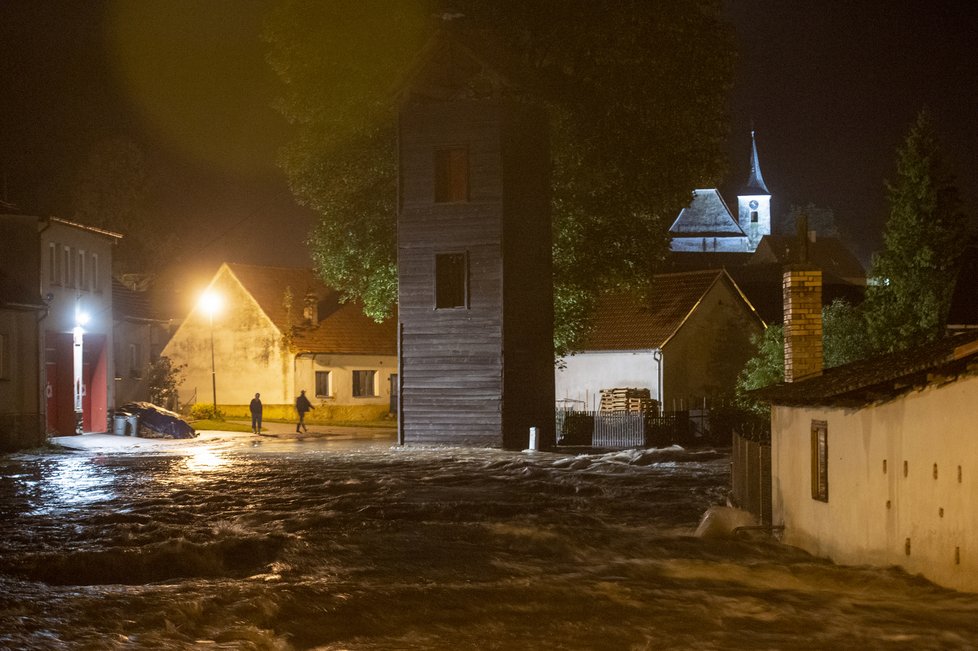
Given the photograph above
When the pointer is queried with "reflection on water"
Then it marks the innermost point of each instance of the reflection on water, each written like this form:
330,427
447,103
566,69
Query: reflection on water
204,460
298,545
73,482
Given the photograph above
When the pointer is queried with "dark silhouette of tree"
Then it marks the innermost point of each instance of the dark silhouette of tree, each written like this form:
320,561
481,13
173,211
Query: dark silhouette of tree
114,189
913,276
637,94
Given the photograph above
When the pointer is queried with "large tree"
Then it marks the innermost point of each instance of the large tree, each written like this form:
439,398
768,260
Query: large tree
637,96
913,276
115,189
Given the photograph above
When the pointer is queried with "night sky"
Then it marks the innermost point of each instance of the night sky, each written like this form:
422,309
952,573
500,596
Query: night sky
830,88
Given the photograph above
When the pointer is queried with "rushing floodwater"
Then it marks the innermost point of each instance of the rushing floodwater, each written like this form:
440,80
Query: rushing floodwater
289,545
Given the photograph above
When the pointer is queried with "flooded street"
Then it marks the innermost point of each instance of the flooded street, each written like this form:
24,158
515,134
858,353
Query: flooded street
283,544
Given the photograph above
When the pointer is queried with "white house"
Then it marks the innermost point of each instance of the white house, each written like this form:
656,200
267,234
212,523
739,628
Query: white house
278,331
685,340
876,462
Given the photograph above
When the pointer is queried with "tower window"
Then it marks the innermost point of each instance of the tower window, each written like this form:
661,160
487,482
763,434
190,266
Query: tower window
451,175
753,216
451,280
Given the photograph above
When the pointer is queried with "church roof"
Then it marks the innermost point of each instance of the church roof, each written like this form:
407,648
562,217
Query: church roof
626,321
706,216
755,182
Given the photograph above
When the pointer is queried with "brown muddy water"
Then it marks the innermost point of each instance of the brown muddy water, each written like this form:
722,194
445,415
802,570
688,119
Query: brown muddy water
236,544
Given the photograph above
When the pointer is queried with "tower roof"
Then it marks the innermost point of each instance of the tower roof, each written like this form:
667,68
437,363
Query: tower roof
755,182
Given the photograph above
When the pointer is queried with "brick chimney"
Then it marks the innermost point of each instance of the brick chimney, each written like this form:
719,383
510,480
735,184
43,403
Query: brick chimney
802,287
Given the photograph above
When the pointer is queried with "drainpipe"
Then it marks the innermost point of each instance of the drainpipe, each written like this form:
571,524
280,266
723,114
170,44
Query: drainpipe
657,356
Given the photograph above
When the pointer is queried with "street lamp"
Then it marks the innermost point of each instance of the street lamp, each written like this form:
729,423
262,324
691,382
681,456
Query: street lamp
211,302
78,381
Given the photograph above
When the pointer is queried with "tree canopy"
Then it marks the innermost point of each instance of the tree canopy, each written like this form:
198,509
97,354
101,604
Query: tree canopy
637,95
913,277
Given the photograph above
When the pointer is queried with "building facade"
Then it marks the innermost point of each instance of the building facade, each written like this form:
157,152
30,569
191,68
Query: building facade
475,280
76,329
278,331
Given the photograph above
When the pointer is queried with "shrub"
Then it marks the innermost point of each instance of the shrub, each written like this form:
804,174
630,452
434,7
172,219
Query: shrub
203,411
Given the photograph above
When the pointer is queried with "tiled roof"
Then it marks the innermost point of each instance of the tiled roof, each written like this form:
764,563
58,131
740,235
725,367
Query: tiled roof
706,216
342,328
129,304
828,253
623,321
14,293
881,378
964,301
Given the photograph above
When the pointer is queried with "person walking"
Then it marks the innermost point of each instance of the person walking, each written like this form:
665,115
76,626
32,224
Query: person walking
255,408
302,405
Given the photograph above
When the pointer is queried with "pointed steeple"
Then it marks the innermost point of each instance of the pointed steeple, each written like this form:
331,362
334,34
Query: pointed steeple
755,182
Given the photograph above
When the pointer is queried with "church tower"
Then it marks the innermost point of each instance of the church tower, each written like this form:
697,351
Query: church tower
754,202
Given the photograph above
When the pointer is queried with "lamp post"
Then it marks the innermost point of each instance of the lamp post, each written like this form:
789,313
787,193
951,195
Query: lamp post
78,380
211,303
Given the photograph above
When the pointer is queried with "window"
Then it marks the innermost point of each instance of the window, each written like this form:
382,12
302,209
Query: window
96,287
364,384
820,460
753,216
66,275
451,280
4,357
451,175
134,360
81,270
324,384
53,276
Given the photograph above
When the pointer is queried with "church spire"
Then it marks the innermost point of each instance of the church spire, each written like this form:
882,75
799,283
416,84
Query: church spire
755,182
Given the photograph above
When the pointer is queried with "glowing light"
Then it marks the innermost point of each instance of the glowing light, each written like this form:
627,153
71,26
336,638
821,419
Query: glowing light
82,318
205,460
211,303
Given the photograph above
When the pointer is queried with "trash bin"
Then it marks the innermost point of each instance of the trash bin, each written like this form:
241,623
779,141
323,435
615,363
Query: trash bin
132,425
119,425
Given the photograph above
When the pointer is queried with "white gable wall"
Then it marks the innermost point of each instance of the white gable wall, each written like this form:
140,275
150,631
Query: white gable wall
872,512
733,244
586,374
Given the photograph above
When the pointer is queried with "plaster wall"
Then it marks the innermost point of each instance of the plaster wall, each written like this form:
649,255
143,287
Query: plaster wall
585,374
76,268
710,244
341,368
248,352
703,357
902,483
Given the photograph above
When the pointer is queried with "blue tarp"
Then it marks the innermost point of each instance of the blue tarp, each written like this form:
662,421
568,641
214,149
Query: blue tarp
160,422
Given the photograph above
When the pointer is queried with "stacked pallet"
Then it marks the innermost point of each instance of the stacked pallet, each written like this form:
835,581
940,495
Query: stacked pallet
634,401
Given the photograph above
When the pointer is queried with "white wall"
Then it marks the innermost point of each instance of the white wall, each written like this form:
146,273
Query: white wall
341,369
871,512
734,244
585,374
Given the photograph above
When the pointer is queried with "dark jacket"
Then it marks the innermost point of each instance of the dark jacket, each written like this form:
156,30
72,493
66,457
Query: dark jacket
255,407
302,404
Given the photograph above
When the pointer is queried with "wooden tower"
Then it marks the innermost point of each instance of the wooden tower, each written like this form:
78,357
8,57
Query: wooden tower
475,293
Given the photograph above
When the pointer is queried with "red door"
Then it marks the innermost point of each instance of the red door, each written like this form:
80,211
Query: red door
58,373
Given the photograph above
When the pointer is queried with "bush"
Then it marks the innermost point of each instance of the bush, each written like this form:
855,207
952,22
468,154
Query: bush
203,411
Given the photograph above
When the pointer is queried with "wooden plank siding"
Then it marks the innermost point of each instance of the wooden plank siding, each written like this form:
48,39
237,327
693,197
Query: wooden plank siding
464,371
